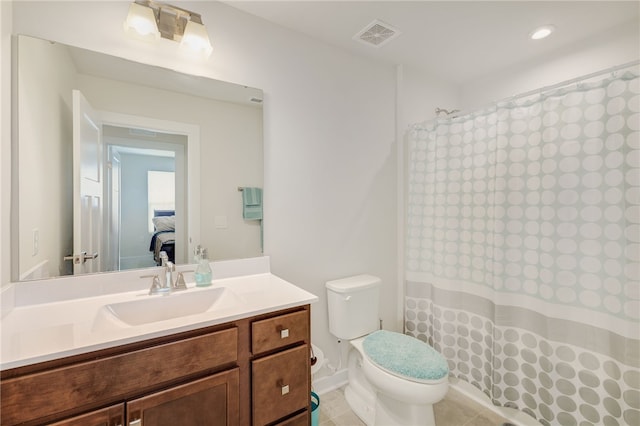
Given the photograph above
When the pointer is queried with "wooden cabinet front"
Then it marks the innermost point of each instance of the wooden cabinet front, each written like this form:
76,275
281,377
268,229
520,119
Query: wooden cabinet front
212,401
110,416
278,332
280,384
100,382
201,377
302,419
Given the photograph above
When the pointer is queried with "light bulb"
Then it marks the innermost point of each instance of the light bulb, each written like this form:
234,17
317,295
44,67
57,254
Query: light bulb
141,20
196,38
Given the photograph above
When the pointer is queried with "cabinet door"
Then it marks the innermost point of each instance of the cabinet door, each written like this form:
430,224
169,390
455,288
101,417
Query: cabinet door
110,416
281,385
212,401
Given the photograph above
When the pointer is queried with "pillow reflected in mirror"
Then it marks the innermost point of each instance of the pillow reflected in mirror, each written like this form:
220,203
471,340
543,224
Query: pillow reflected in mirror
164,223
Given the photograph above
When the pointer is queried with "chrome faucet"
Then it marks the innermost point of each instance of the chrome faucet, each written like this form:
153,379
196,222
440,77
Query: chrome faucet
167,274
164,283
164,258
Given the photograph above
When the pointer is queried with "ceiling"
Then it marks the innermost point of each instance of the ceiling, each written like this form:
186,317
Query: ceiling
458,41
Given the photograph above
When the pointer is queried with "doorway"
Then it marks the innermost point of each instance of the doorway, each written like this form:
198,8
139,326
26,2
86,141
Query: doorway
136,159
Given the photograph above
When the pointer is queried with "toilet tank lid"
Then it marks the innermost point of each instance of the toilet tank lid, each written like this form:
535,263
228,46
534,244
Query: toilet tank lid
355,283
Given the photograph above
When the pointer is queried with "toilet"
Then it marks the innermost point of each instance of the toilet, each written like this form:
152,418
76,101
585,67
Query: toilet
394,379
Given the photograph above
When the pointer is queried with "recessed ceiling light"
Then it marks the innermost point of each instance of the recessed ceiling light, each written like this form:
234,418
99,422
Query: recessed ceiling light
541,32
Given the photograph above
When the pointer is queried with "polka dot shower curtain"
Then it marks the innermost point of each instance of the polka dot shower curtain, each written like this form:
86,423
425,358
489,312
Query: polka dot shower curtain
522,250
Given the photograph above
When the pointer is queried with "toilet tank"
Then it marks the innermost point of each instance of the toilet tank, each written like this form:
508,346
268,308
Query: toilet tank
353,306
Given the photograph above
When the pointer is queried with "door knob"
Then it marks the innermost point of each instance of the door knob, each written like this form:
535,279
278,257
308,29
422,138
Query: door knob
81,258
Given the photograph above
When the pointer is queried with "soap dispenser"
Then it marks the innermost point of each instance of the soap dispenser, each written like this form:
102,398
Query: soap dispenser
203,270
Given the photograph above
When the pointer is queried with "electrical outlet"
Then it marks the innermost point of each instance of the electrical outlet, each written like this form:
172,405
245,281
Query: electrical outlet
36,241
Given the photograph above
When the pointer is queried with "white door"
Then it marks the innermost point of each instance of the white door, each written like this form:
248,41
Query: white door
87,187
111,258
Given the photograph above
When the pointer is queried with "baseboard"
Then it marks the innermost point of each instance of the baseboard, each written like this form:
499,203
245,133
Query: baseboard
518,418
328,383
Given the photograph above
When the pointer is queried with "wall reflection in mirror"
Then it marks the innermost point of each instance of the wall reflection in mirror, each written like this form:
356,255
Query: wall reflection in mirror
122,160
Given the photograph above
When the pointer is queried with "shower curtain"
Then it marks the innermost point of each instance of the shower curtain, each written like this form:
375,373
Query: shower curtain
522,250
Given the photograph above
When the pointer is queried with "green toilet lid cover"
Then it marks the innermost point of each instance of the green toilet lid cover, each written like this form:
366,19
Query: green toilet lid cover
405,356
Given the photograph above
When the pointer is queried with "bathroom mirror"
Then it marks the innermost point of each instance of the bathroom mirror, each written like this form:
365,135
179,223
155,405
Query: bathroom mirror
170,158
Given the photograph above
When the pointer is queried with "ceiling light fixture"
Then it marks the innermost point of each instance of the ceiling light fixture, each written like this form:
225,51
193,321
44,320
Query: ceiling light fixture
152,20
142,20
542,32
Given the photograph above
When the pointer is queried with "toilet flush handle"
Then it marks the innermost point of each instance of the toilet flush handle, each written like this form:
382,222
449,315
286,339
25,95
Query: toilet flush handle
346,299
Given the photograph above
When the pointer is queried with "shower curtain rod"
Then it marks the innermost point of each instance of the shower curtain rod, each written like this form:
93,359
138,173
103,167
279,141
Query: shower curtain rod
541,90
574,80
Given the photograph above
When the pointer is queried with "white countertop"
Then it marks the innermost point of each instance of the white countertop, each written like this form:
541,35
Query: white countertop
32,333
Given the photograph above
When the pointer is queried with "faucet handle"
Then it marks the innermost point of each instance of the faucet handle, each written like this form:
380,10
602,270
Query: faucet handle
156,287
180,284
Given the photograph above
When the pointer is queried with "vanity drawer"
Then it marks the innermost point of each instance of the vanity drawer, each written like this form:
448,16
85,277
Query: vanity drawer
301,419
280,331
105,380
110,416
280,384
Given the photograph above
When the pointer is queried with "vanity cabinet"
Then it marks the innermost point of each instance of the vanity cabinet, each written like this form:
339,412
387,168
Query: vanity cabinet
279,344
235,373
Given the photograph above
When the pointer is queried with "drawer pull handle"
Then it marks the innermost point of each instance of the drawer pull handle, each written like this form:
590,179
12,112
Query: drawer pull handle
284,389
284,333
137,422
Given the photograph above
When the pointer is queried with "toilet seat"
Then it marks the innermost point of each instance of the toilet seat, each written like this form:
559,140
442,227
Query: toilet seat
405,357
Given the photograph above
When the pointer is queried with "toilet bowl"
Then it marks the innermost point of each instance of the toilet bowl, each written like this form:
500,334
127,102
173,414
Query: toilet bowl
394,379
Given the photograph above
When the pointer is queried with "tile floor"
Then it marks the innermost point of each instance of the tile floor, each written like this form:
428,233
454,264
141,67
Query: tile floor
454,410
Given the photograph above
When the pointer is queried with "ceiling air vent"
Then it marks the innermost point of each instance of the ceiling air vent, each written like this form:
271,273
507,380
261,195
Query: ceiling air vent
376,34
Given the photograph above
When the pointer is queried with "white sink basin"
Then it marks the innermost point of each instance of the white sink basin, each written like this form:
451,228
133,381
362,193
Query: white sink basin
151,309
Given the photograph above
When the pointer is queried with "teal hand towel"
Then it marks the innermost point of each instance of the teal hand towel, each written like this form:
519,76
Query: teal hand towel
252,203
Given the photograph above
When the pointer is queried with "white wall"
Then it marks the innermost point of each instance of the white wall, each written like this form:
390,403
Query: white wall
6,30
45,169
329,136
619,45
